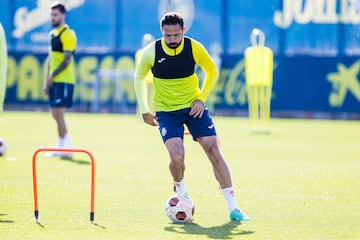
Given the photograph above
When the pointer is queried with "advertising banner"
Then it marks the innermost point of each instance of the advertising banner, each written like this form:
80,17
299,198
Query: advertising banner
301,83
316,44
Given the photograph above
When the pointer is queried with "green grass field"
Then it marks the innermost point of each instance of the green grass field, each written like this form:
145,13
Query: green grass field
302,181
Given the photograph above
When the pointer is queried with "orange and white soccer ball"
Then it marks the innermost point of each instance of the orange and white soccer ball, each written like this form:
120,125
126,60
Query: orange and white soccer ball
180,209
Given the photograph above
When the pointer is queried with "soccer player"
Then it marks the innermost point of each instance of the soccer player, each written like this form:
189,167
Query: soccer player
179,101
60,76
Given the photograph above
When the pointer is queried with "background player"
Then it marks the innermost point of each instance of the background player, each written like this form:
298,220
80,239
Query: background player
60,77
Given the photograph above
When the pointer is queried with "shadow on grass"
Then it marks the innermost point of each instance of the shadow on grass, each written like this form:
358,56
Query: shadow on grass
40,225
225,231
77,161
94,224
5,220
98,225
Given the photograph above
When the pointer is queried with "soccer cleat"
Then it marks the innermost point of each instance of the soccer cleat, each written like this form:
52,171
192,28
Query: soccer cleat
62,155
236,215
52,154
184,194
66,155
179,194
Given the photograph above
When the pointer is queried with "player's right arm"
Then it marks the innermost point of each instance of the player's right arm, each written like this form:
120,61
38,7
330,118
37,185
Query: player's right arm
143,66
47,72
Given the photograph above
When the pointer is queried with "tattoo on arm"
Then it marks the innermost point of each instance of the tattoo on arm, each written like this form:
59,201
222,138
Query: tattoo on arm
64,63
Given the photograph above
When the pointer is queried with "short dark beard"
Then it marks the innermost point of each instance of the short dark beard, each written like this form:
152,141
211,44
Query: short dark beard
173,47
56,24
178,44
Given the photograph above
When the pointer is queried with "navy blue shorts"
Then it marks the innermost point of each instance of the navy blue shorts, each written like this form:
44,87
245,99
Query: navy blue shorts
171,124
61,95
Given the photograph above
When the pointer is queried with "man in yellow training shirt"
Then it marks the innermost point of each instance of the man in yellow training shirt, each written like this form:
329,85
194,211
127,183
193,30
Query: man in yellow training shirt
179,101
60,77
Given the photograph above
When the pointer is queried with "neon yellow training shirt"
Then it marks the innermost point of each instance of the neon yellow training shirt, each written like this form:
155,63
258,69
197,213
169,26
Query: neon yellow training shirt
177,93
68,43
149,75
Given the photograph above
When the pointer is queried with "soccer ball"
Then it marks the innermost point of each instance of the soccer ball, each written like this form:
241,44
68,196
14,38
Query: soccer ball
3,147
180,209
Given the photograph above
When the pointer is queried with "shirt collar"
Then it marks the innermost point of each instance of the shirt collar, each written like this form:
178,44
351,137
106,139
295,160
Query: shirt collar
60,28
172,51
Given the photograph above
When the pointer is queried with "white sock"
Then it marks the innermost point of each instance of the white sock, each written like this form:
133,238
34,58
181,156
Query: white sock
180,187
230,198
67,142
61,142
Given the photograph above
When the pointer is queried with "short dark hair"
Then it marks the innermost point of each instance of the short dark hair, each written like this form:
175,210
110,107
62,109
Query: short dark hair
172,18
58,5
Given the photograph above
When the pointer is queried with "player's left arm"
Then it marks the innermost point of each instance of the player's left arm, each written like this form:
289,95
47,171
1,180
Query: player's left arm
63,64
204,60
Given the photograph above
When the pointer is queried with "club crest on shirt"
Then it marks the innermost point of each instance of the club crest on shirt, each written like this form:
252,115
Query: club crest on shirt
163,131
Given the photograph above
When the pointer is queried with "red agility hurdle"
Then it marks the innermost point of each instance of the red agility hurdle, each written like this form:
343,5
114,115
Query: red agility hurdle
46,149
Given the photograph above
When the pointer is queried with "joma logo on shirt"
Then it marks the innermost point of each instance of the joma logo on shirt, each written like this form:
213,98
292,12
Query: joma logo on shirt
161,60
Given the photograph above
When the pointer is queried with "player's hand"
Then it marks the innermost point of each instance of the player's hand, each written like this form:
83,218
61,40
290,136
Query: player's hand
50,80
197,109
46,90
49,83
150,119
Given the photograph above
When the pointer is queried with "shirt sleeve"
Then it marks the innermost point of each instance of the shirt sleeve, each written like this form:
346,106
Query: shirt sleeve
68,39
204,60
143,66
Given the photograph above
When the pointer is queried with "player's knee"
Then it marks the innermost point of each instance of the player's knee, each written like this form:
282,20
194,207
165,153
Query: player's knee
213,150
177,158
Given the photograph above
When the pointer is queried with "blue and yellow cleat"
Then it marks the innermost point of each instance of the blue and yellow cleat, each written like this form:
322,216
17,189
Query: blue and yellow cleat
236,215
